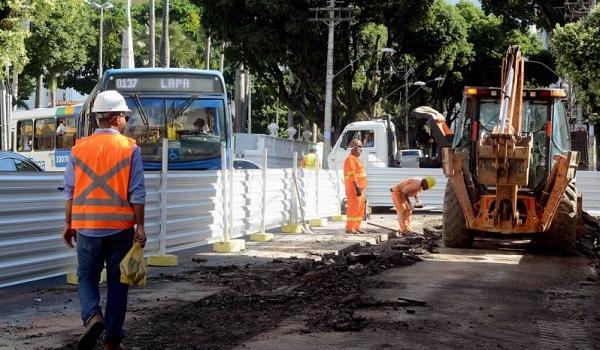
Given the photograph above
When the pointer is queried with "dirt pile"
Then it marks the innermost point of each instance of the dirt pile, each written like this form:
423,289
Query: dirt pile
324,294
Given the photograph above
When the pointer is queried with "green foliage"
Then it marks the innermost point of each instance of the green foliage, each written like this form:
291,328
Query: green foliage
272,37
524,13
59,41
577,48
14,18
186,40
490,39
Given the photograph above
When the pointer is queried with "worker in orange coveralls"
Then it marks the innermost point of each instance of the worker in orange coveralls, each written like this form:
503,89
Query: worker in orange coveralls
355,181
401,193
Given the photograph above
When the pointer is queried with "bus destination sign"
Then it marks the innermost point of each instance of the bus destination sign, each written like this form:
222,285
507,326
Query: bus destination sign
192,83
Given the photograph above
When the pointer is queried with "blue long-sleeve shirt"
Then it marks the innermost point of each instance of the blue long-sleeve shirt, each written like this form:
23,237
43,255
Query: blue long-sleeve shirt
136,189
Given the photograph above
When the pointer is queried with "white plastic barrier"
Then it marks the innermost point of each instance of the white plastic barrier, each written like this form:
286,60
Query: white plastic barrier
32,214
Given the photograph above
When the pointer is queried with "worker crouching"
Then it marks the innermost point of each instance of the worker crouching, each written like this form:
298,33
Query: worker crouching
355,181
400,196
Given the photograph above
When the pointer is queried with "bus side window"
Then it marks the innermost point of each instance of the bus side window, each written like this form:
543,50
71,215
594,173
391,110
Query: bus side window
66,132
44,134
24,135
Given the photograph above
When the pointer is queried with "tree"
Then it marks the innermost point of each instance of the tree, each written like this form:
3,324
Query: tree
59,42
272,38
15,16
544,14
490,39
577,48
185,40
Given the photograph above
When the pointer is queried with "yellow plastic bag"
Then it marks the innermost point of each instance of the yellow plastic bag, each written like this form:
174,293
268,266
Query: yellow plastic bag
133,267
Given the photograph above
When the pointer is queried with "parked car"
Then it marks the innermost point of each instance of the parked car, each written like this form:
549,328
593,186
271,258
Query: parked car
244,164
409,158
11,161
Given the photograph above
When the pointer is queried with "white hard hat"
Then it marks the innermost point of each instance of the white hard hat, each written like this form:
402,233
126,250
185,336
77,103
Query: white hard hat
110,101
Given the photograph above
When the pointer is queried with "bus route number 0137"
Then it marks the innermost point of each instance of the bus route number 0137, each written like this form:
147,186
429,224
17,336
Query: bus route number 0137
130,83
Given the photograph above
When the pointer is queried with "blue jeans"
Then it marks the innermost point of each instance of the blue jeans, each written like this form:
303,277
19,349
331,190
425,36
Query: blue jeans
92,254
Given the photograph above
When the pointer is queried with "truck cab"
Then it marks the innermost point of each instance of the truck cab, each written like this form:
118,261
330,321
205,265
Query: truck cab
379,144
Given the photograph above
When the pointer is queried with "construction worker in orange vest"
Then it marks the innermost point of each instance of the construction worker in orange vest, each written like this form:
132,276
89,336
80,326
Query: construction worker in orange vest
355,181
105,199
402,192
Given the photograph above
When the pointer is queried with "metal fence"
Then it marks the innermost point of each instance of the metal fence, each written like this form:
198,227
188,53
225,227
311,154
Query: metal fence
32,210
381,179
32,214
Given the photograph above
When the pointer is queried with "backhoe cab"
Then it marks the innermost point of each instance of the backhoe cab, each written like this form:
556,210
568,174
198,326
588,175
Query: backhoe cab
510,167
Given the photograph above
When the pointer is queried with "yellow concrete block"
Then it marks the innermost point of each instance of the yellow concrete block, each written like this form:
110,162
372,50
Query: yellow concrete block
261,236
162,260
72,277
318,222
292,228
337,218
231,246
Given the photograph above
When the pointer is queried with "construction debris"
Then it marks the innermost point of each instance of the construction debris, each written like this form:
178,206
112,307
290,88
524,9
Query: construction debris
325,294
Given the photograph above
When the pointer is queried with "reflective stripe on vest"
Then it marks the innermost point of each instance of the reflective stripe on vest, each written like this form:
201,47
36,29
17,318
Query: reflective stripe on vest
102,170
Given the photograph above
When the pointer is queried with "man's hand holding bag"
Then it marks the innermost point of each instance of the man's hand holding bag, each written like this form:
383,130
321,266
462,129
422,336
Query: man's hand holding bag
133,267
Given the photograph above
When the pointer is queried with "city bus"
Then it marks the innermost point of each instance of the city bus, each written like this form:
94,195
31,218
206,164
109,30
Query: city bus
45,135
187,106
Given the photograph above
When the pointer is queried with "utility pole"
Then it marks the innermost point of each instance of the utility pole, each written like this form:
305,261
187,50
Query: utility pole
406,109
222,62
241,94
207,52
333,17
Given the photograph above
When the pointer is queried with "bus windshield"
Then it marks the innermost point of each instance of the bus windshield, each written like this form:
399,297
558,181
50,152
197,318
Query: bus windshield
195,127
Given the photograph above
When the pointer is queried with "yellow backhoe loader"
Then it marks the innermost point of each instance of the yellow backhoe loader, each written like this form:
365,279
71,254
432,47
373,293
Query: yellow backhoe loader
510,167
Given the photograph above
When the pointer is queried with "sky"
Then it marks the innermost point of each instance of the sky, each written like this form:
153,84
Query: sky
476,2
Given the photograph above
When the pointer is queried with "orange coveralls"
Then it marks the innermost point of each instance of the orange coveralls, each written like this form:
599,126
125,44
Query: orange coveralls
354,173
400,193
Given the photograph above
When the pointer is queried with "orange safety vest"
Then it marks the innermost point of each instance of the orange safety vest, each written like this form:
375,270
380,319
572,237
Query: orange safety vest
102,168
354,171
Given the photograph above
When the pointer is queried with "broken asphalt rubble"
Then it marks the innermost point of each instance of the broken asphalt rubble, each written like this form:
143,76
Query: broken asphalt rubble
256,298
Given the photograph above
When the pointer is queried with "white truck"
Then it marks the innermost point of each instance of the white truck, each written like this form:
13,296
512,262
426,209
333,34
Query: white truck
382,159
379,143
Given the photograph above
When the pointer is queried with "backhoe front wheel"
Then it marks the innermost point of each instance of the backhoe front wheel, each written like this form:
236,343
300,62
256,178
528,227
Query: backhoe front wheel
455,233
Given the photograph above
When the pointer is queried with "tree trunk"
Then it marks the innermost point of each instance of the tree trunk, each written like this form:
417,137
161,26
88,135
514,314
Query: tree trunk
152,43
39,88
52,89
127,46
164,40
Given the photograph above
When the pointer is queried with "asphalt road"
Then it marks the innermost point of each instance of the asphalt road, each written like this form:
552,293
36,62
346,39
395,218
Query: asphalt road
497,295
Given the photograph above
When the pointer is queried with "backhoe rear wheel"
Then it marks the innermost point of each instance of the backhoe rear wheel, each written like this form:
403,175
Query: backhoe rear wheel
455,233
562,235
